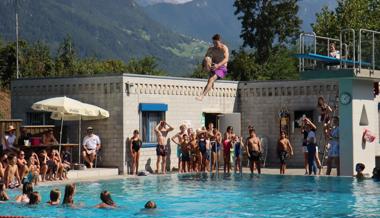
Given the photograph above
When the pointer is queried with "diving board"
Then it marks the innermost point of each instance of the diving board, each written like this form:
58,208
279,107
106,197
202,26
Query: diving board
330,60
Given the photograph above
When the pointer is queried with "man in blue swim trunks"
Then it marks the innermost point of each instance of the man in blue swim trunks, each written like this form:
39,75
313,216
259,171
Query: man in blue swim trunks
215,61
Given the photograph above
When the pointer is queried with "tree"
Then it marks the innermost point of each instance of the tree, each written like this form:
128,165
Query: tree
264,21
147,66
242,66
8,62
355,14
38,61
66,60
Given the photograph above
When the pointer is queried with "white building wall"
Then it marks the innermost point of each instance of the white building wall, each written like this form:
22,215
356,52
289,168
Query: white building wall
179,94
262,101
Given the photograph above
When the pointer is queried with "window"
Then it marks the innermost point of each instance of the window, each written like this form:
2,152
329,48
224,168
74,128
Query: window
38,118
151,115
150,120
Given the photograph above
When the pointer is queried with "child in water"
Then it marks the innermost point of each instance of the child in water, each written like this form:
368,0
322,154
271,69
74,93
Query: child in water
359,171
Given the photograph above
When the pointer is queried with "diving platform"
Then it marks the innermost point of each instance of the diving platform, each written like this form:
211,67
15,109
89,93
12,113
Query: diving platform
353,60
348,73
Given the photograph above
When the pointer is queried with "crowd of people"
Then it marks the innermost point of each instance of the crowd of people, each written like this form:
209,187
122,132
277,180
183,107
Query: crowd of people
199,150
20,162
31,197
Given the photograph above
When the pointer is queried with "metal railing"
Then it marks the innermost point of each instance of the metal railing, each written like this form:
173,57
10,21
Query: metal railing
373,33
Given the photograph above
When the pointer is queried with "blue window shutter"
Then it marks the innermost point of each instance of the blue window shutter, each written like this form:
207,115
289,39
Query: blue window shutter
153,107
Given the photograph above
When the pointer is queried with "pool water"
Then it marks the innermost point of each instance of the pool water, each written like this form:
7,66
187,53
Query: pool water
211,196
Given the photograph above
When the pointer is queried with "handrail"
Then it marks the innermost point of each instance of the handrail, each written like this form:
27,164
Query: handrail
353,46
373,46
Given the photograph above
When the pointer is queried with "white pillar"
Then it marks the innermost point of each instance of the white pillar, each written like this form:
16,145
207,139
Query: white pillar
353,122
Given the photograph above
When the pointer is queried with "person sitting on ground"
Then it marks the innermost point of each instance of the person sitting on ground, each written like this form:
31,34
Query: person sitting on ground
58,162
254,151
32,171
27,189
91,145
55,196
66,161
107,201
135,146
53,164
2,170
9,140
162,130
49,139
359,171
285,150
177,139
12,178
43,159
21,164
3,194
150,205
35,198
68,198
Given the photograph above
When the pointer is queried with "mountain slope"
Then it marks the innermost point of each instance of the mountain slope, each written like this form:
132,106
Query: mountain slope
203,18
105,29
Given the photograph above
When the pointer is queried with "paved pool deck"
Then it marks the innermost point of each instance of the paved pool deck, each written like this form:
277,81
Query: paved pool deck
97,174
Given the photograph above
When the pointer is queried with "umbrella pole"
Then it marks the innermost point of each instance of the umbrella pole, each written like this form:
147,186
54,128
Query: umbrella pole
60,135
79,137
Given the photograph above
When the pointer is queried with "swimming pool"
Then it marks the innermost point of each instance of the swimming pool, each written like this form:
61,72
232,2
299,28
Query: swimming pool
205,196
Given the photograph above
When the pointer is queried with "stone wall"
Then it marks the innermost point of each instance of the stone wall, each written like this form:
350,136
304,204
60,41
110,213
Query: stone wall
262,101
179,94
103,91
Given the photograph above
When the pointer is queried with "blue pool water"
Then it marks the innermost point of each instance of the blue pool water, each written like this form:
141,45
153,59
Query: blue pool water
205,196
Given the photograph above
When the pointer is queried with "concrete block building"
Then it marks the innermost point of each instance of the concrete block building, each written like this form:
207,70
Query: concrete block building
139,102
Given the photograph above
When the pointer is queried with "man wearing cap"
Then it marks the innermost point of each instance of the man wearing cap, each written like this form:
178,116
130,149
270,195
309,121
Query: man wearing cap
9,139
91,144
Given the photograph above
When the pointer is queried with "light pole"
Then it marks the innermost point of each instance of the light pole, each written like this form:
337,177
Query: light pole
17,66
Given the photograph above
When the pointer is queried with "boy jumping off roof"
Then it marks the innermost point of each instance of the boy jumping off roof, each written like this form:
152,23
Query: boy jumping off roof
215,61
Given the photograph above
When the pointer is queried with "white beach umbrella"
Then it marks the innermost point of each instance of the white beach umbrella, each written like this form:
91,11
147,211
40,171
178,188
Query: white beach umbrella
92,112
61,105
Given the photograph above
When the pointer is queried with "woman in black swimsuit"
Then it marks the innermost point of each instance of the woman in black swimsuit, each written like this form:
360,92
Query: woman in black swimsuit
135,145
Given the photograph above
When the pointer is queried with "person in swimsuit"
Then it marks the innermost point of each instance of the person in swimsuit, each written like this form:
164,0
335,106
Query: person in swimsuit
185,148
227,137
215,61
195,153
215,141
177,139
254,150
203,148
135,145
27,189
237,145
12,178
44,159
3,194
162,130
285,150
107,201
55,196
35,198
68,197
306,122
311,150
333,152
325,111
21,164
